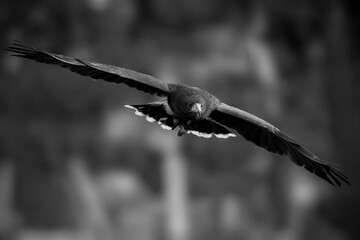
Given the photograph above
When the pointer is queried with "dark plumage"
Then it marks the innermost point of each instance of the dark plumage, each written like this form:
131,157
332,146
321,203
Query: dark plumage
192,110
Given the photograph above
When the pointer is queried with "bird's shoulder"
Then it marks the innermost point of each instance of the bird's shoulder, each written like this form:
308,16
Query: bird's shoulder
179,88
186,90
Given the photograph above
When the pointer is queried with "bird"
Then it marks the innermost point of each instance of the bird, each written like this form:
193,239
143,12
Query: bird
192,110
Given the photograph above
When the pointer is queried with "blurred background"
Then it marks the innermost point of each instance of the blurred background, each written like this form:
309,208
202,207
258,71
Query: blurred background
75,164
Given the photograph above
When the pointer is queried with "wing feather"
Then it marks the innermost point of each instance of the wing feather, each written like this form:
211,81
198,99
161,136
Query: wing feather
272,139
109,73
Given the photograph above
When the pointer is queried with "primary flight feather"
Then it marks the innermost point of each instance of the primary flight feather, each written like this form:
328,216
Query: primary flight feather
192,110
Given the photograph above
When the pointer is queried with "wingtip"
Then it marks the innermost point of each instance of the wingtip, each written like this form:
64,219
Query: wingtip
327,171
339,174
7,49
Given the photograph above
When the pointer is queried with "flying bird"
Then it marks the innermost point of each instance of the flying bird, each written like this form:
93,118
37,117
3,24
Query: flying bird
192,110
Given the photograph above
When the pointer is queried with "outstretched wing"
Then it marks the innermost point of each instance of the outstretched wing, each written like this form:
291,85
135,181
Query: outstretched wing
272,139
94,70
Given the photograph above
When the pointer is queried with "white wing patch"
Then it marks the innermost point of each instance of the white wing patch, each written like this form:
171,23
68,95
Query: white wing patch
163,126
150,119
200,134
136,111
209,135
225,135
166,127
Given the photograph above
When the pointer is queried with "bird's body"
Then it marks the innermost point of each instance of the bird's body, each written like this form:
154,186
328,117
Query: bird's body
192,110
183,97
185,107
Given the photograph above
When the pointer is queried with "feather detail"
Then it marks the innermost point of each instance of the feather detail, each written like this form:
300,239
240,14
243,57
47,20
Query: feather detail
155,112
265,135
140,81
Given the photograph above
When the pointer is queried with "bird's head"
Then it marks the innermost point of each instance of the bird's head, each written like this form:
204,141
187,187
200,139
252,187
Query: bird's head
197,108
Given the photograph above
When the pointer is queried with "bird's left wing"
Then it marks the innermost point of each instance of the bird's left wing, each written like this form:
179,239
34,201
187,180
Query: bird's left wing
272,139
94,70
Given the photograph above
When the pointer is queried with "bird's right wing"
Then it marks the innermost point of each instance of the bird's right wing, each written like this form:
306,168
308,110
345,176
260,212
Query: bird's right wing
94,70
272,139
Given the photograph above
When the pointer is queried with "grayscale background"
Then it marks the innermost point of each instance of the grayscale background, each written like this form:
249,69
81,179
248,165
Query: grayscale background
76,165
